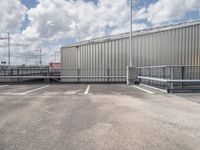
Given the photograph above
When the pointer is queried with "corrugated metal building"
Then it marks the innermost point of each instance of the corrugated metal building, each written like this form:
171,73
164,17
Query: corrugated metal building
177,44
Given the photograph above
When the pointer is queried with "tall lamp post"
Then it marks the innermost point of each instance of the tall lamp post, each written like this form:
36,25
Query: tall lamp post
131,71
131,22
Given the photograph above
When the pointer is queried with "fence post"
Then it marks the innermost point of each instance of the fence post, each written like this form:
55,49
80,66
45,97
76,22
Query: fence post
164,75
131,75
11,72
78,74
170,85
108,74
148,81
48,76
182,76
17,75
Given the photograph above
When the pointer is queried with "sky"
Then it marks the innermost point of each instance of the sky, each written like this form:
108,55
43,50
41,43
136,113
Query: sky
50,24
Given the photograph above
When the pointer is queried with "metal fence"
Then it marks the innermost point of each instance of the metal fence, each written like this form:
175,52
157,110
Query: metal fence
172,78
60,75
23,74
93,75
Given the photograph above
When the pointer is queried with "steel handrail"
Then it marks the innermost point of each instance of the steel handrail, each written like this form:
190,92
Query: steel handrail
168,80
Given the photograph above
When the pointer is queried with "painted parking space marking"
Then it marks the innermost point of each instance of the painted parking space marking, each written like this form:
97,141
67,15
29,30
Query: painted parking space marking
37,89
51,93
161,90
1,86
87,90
147,91
72,92
14,94
27,92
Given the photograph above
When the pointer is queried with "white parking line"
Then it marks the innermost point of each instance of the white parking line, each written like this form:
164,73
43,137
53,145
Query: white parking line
164,91
1,86
72,92
27,92
87,90
15,94
150,92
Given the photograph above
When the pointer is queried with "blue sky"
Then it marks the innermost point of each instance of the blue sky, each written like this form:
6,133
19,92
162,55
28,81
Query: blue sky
52,23
30,3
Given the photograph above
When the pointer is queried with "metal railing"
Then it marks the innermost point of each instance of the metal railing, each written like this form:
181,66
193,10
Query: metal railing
64,75
93,75
27,71
172,78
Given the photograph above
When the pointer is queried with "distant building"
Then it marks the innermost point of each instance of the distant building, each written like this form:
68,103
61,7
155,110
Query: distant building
54,65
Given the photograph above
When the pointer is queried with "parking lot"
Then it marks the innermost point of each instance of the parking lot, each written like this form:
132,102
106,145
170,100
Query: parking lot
96,117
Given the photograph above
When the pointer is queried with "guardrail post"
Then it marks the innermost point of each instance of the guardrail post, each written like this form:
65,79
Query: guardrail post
78,74
5,72
171,76
131,75
182,76
47,76
108,74
17,75
11,72
163,74
149,73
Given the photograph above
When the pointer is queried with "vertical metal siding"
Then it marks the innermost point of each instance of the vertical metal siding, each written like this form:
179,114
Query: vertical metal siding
179,46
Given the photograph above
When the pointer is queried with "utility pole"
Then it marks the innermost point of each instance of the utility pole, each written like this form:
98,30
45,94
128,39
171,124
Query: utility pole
8,38
40,56
9,50
131,22
54,57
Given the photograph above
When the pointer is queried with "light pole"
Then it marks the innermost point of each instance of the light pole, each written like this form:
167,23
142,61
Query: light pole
131,71
130,49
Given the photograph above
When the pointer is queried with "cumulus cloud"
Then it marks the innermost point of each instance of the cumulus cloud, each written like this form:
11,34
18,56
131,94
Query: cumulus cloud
12,13
170,10
53,19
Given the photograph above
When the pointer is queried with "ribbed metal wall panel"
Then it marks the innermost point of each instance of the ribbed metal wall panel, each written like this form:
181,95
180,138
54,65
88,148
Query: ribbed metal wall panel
69,61
178,46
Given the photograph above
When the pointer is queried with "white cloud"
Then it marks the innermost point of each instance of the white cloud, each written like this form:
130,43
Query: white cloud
53,19
12,13
170,10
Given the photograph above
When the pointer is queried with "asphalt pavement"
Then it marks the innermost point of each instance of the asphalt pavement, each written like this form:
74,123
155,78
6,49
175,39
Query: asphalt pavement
97,117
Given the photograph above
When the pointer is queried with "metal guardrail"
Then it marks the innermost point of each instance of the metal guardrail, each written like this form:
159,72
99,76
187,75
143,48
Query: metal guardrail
71,75
173,78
